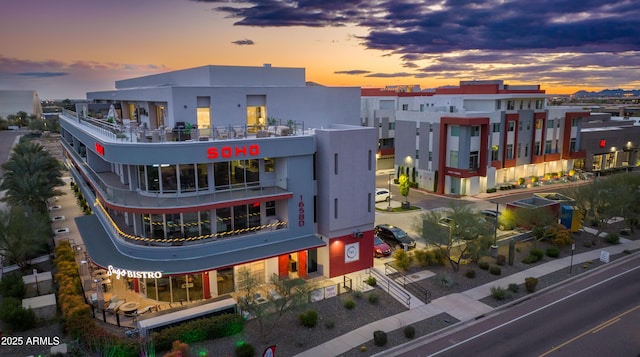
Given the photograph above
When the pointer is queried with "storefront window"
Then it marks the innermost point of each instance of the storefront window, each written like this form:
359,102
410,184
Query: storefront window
203,176
225,281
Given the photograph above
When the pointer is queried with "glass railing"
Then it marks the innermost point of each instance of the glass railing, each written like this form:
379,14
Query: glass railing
137,198
140,134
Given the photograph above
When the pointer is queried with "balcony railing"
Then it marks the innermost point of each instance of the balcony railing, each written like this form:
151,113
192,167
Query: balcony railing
136,198
132,132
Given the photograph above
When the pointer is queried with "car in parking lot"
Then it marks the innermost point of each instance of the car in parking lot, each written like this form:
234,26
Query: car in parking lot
394,236
382,195
380,248
493,217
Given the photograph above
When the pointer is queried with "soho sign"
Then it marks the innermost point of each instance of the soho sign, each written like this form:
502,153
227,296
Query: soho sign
227,152
132,273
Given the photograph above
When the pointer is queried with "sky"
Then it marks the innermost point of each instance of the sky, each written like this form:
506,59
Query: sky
66,48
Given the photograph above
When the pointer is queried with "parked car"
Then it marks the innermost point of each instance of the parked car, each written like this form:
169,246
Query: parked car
493,216
394,236
380,248
382,195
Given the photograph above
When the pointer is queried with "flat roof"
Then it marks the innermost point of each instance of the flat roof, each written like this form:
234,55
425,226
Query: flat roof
182,259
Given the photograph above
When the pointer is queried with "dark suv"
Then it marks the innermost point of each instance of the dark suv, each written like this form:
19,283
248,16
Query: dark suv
394,236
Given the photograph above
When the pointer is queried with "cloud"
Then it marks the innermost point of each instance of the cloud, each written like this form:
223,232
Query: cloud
353,72
477,39
390,75
243,42
43,74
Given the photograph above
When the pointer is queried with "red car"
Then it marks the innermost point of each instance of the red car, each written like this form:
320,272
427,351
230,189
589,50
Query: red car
380,248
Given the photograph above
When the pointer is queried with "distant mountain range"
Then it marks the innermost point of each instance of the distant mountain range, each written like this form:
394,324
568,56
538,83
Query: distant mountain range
607,93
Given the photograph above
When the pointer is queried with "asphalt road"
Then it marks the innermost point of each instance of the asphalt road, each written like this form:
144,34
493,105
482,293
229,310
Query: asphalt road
595,315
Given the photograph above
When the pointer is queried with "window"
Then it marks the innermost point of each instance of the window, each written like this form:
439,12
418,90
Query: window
539,103
510,105
519,125
521,104
550,124
475,130
417,154
270,208
369,202
430,156
537,148
453,158
538,123
547,147
422,107
455,130
509,151
495,127
494,153
473,161
335,164
498,104
335,208
405,107
519,150
370,160
529,104
528,124
511,125
392,125
574,122
572,144
526,150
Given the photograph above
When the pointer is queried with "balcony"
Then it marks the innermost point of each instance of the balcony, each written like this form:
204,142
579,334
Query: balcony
116,194
131,132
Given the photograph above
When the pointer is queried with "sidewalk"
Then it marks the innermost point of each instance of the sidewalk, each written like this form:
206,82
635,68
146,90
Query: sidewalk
464,306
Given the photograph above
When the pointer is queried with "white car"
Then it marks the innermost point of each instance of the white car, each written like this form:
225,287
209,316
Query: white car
382,194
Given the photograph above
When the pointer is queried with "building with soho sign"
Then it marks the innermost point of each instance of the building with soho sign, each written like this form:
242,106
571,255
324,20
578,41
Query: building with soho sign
197,173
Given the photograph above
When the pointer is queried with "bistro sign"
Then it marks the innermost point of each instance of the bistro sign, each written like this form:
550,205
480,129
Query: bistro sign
132,273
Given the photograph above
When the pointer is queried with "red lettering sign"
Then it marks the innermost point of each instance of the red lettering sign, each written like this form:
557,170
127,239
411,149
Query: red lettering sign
227,152
301,212
100,149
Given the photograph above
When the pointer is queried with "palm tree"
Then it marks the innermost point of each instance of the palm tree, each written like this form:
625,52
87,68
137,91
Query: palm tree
23,238
31,176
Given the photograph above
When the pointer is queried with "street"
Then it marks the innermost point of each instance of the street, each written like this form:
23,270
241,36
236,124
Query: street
595,315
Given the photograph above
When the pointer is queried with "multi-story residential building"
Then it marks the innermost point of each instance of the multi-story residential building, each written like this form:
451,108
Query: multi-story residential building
195,174
476,136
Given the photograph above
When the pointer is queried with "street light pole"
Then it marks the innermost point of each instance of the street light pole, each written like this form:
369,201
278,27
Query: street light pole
389,202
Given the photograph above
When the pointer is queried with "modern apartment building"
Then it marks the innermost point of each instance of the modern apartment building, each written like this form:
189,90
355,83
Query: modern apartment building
466,139
197,173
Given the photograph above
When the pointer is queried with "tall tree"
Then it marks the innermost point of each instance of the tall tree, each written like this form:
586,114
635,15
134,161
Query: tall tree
463,233
31,176
23,236
403,185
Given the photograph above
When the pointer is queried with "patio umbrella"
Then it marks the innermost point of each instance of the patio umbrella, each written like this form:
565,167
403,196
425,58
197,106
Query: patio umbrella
112,116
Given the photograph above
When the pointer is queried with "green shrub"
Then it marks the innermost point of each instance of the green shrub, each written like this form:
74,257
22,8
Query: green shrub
373,298
200,330
15,316
329,324
501,259
626,251
245,350
409,332
587,244
514,288
357,294
553,252
440,257
612,238
379,338
12,285
425,257
499,293
470,274
530,284
349,304
371,280
402,259
309,318
445,280
530,259
495,270
483,265
538,253
491,190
